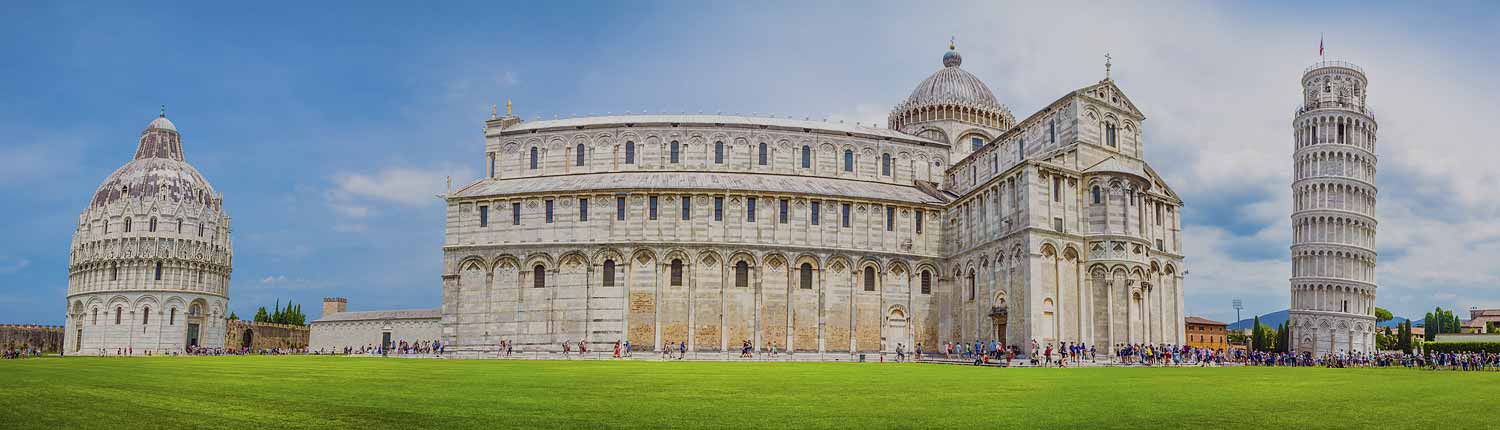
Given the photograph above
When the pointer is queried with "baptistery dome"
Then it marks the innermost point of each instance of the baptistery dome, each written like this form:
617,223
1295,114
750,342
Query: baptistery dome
158,169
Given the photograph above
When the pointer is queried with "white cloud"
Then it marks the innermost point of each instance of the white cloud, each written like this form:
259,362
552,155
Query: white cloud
282,282
399,185
13,264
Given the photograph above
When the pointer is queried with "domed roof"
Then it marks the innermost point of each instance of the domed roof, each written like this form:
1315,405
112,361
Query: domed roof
158,170
163,123
952,85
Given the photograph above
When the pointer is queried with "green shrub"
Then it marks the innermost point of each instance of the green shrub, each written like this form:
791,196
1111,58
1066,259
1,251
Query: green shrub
1490,347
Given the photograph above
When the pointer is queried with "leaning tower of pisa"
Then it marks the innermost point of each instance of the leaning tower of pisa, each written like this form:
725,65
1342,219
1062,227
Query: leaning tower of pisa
1333,213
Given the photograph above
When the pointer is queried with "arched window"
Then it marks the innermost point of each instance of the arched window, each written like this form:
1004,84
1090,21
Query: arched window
195,310
609,273
172,317
806,157
807,275
676,273
152,227
538,276
885,164
200,229
533,158
741,274
675,151
1109,134
114,273
629,152
581,151
96,316
1097,198
158,270
179,226
971,286
977,142
926,282
492,164
848,160
146,316
869,278
718,152
762,153
127,225
118,311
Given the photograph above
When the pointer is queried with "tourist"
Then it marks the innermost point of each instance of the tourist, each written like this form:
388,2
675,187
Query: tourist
617,349
682,350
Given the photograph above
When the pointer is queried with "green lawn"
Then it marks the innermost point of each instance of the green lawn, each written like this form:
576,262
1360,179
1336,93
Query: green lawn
365,393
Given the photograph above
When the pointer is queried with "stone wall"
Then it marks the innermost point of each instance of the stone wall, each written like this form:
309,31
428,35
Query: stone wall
260,335
48,338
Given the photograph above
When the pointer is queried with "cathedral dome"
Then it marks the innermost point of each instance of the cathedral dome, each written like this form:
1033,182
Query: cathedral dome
158,170
952,85
950,94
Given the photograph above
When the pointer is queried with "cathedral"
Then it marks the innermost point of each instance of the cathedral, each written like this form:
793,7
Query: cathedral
149,265
957,222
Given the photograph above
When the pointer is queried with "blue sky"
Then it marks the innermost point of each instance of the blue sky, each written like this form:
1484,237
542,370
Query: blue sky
329,128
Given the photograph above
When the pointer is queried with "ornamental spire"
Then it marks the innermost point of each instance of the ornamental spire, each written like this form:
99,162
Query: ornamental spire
163,111
1106,66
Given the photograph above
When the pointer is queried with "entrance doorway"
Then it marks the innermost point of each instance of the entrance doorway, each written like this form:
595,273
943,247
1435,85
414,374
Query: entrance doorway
192,337
247,339
999,317
385,341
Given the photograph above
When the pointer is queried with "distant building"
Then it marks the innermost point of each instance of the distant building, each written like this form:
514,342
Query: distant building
1479,319
337,329
1206,333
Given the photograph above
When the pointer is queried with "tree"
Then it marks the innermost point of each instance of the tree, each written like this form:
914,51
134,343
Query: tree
233,317
1404,338
1440,321
260,315
1382,315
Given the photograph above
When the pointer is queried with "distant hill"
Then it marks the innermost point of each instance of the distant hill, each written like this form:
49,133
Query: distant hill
1393,322
1274,319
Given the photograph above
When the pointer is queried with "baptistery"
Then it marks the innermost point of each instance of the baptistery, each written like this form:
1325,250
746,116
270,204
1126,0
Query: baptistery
149,265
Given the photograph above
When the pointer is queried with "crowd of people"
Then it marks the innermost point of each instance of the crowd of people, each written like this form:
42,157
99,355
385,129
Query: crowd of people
1461,361
20,352
1040,354
399,348
1067,354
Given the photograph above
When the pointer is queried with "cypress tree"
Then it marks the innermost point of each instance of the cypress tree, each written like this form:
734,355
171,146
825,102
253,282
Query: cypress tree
1257,336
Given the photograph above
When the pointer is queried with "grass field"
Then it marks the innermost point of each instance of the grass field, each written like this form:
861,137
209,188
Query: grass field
365,393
